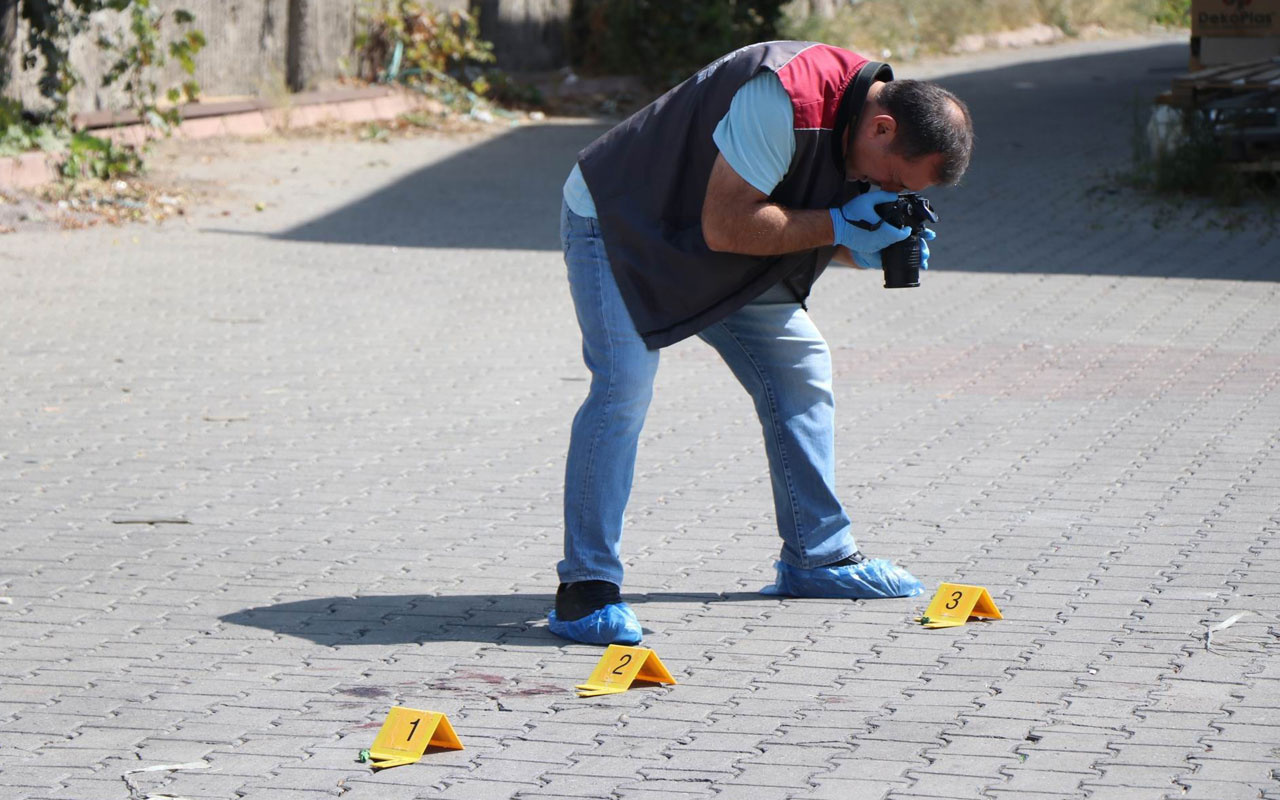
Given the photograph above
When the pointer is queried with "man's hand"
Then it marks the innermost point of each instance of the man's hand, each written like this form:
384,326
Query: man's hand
926,236
873,261
843,257
858,227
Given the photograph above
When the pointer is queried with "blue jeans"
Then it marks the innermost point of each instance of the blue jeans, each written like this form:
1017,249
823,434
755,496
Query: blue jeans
773,349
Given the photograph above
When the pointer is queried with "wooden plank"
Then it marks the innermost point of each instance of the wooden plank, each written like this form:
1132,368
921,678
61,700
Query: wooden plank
1238,85
1251,75
1238,73
1200,75
1259,98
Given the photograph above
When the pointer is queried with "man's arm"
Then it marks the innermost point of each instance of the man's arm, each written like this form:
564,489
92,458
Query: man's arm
844,257
739,218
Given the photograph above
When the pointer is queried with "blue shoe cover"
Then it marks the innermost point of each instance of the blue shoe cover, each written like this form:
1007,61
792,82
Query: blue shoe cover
869,579
614,624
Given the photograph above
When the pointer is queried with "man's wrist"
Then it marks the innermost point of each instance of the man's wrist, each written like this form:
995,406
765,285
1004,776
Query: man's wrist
836,219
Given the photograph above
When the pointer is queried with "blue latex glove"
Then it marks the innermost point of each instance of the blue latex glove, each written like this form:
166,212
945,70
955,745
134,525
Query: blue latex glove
926,236
873,261
858,227
868,260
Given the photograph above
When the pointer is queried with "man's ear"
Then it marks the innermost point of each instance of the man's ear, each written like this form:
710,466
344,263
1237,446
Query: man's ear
884,125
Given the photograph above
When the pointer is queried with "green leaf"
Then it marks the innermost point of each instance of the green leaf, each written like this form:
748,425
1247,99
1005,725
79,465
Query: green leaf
16,139
49,140
183,56
82,142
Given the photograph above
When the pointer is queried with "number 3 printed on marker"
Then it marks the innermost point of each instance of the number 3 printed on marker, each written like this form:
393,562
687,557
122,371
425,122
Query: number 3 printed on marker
955,600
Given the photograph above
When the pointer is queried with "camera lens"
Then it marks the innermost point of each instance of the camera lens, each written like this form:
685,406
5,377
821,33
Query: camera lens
902,263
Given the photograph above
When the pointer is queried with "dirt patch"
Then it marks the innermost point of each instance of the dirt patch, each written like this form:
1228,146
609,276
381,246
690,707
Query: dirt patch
88,203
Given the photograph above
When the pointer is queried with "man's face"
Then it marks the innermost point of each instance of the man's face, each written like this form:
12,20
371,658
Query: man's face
893,173
871,159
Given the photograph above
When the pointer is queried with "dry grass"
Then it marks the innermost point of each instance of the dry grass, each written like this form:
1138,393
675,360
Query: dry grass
912,28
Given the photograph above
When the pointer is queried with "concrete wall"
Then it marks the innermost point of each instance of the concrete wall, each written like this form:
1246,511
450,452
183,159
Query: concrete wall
245,54
264,47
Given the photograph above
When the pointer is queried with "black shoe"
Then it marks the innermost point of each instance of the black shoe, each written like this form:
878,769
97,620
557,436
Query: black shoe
580,598
851,560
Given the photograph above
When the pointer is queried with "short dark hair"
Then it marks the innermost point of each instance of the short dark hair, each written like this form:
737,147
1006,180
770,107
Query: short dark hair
931,121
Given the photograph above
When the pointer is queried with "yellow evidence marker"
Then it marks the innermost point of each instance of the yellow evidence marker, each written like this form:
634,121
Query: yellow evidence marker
406,734
954,603
619,666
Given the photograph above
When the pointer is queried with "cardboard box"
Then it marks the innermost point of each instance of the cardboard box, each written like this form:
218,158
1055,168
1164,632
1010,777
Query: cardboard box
1214,51
1235,17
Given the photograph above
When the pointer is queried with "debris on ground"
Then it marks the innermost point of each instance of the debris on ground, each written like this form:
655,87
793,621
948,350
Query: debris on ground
87,203
138,793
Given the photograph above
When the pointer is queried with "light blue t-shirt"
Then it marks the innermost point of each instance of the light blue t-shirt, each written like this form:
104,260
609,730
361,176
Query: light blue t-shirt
756,138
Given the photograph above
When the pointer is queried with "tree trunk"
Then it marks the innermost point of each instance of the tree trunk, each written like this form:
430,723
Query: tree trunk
820,8
526,34
8,37
300,66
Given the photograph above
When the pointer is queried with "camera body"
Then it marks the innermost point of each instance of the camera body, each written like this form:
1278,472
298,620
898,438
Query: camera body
901,260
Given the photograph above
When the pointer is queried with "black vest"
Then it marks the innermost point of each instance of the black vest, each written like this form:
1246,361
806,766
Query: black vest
648,177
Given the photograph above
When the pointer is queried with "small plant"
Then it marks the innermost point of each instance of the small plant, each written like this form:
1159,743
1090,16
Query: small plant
143,52
20,133
1171,13
375,133
1181,152
413,42
52,25
95,157
139,51
503,90
1188,161
420,119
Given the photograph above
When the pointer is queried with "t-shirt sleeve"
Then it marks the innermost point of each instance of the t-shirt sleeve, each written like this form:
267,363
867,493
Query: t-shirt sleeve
757,136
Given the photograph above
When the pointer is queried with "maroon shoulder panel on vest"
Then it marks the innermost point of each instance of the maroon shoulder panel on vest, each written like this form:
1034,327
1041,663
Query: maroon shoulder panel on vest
816,79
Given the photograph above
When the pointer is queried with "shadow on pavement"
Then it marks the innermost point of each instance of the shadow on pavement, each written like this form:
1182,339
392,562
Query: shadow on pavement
1043,194
412,618
502,194
1046,190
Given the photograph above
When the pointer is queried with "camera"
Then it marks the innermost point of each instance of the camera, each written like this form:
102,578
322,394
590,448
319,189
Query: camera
902,260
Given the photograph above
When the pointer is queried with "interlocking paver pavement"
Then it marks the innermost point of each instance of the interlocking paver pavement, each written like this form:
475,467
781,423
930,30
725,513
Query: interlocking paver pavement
265,475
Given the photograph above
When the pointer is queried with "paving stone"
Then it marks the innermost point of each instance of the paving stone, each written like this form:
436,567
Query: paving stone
359,399
1224,790
835,789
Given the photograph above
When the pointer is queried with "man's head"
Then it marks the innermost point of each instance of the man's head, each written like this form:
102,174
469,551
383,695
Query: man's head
910,135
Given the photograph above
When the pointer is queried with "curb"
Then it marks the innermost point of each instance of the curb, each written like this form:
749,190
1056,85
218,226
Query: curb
27,170
233,118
